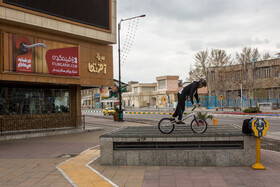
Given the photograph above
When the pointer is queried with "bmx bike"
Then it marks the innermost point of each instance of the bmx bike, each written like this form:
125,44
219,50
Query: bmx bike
198,125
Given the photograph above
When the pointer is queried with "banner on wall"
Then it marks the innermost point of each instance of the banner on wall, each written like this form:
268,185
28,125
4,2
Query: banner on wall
63,61
57,59
23,60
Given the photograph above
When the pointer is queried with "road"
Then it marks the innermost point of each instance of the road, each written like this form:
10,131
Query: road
274,123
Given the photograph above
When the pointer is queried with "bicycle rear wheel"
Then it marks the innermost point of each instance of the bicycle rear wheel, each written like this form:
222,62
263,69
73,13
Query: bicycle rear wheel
198,125
166,126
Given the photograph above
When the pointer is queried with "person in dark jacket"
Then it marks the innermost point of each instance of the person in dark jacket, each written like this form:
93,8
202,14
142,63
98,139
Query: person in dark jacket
191,91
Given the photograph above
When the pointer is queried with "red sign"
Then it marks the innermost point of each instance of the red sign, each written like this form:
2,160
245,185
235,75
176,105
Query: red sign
64,61
23,61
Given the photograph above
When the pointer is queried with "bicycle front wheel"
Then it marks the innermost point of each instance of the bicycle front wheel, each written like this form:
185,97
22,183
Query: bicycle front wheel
198,125
166,126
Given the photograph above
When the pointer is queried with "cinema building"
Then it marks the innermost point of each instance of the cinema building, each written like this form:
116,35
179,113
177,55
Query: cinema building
49,53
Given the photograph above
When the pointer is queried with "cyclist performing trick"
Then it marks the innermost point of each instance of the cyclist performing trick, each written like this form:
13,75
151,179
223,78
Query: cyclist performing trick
198,125
191,91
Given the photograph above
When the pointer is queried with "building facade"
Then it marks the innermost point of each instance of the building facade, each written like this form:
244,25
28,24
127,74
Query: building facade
141,95
102,97
49,55
259,81
161,94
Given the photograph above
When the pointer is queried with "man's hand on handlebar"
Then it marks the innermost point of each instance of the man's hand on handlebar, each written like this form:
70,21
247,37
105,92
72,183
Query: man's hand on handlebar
198,104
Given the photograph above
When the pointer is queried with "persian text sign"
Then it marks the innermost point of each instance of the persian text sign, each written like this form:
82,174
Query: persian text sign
24,63
64,61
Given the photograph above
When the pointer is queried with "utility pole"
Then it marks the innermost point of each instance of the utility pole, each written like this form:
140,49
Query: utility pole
241,97
119,51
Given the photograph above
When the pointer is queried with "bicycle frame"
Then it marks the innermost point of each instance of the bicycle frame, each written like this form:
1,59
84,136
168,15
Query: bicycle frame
192,113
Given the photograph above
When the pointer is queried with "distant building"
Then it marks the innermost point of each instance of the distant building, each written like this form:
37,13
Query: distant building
260,80
101,97
162,94
141,94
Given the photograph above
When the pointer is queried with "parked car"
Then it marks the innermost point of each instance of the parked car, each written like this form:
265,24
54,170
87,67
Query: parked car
109,111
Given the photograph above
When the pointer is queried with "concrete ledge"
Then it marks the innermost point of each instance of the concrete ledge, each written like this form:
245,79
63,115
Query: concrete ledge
147,150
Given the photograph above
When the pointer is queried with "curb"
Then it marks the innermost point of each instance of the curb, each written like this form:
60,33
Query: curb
94,111
162,113
249,115
41,134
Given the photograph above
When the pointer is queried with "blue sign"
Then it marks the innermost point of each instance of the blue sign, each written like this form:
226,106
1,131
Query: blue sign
97,95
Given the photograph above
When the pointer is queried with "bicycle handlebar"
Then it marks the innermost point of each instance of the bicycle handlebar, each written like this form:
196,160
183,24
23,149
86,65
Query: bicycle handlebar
193,108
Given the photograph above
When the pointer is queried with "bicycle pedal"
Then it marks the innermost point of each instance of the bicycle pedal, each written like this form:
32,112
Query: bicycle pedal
173,121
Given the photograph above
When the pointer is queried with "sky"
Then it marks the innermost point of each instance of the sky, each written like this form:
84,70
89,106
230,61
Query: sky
173,31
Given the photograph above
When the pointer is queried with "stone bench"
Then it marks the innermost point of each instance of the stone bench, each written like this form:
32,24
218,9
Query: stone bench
221,145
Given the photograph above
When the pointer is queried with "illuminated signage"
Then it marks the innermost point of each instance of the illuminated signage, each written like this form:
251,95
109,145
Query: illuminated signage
98,67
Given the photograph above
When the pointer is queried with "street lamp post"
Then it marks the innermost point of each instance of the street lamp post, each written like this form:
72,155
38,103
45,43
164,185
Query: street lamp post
119,50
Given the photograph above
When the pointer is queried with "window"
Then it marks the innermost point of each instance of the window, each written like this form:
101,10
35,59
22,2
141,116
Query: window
245,76
258,73
162,84
267,72
16,100
277,74
213,75
237,76
276,71
148,89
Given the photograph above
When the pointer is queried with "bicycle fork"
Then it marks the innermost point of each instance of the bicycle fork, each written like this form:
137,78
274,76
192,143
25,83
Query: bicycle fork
195,120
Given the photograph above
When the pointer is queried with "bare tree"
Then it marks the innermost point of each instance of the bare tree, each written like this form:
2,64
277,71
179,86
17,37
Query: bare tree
266,56
247,55
200,66
219,57
202,59
194,74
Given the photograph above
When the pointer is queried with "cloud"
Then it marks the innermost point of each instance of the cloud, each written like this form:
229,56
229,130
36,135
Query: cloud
168,38
196,45
236,42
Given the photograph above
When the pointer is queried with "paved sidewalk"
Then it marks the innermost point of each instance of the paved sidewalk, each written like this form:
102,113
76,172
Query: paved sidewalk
155,176
33,162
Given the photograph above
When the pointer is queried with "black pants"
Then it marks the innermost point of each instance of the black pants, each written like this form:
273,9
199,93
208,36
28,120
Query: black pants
180,107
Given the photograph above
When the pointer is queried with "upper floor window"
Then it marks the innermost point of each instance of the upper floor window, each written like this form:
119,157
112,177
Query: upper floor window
258,73
237,76
245,76
267,72
148,89
161,84
277,74
276,71
212,75
135,90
